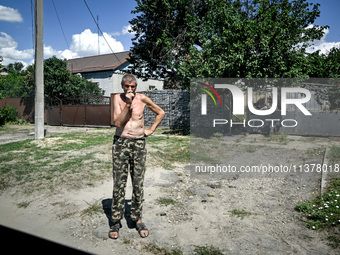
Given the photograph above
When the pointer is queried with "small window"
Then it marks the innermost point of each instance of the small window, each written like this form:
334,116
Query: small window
152,87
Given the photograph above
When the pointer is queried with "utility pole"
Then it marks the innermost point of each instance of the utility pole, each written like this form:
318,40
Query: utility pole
39,71
98,34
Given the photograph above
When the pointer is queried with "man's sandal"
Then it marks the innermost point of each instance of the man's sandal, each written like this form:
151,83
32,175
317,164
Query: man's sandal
115,228
141,227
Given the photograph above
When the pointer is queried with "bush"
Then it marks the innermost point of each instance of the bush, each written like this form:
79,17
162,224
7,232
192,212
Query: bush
8,114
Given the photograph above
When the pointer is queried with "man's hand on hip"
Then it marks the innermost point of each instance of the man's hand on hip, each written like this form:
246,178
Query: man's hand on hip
147,132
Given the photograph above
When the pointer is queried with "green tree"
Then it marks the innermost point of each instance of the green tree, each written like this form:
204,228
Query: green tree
178,40
324,65
12,85
60,83
333,63
15,67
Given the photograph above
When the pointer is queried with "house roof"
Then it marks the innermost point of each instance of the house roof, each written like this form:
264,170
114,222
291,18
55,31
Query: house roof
98,63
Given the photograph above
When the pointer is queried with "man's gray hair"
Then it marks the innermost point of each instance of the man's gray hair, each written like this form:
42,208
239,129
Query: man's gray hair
129,78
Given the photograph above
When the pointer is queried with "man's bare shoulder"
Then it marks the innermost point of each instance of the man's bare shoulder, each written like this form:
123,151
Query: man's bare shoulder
144,98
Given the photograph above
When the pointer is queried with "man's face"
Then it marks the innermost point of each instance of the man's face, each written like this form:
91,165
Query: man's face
129,87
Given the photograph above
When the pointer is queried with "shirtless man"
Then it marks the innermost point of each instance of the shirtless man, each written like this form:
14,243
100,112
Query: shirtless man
129,150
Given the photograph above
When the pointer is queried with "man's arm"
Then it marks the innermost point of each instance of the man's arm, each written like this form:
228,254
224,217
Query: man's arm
120,117
158,111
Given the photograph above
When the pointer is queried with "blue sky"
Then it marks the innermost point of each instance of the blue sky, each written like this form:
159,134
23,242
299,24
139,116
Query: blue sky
16,43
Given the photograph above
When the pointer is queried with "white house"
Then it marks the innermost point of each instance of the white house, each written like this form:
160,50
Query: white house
106,70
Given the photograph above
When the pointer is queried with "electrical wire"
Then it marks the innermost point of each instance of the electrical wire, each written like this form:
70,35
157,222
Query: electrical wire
100,30
62,30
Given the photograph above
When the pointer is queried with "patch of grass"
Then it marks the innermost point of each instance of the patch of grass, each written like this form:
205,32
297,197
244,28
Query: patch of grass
24,204
323,213
169,150
179,131
207,150
217,135
166,201
334,241
281,138
334,154
33,162
92,209
250,148
156,249
15,146
127,241
207,250
240,213
66,215
316,152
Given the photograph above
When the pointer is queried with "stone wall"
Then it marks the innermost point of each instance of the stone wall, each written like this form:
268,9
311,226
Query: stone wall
175,103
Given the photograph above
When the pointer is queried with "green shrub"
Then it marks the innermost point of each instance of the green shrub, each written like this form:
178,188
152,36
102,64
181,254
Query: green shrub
8,114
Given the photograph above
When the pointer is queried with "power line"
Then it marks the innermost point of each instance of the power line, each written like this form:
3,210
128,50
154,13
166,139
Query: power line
62,30
101,31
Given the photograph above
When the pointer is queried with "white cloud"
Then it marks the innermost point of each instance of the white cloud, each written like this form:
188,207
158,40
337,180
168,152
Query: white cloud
67,54
49,52
83,44
322,45
126,30
7,41
10,14
9,51
115,34
86,44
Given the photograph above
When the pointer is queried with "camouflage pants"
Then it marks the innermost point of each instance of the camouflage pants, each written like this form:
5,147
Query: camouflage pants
127,153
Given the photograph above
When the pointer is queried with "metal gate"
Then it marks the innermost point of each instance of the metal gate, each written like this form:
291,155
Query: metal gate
93,110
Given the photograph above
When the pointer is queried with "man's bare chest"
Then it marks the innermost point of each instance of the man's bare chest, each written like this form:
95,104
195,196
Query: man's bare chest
137,108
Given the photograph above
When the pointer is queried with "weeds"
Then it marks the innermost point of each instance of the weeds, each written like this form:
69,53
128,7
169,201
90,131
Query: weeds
282,138
166,201
92,209
169,150
207,250
334,154
250,149
316,152
156,249
240,213
24,204
323,213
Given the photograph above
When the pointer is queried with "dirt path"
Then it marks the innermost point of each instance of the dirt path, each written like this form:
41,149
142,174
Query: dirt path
239,216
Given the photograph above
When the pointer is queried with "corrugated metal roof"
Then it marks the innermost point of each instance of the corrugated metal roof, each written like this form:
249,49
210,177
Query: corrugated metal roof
97,63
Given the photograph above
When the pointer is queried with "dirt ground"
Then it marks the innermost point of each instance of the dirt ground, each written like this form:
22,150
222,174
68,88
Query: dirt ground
205,211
